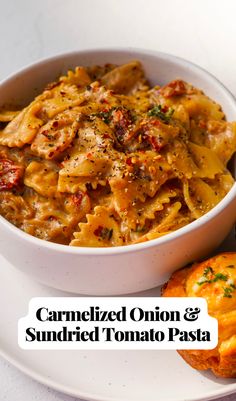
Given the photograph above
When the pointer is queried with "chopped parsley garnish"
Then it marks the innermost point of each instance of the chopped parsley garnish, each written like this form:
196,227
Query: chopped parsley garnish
220,276
50,137
140,229
157,111
208,270
106,115
103,233
213,278
228,292
209,276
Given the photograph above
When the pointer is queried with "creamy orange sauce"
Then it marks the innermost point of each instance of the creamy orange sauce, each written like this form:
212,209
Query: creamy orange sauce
102,159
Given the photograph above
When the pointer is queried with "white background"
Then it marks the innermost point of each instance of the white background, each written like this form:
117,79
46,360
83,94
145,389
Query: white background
202,31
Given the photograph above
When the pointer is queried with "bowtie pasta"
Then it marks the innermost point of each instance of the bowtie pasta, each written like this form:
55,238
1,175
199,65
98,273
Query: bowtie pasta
100,158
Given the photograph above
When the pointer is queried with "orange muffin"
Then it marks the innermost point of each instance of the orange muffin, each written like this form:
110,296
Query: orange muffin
214,280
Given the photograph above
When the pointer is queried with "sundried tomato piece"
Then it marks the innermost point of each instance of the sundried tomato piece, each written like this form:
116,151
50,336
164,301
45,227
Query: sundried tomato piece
10,174
154,142
122,117
122,121
174,88
129,161
98,231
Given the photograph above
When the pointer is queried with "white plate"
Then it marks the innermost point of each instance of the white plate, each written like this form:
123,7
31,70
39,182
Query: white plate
100,375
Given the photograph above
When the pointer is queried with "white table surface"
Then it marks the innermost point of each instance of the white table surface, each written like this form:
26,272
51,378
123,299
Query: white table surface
203,31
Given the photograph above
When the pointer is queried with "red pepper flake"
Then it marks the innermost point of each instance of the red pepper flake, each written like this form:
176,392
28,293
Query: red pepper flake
154,142
202,124
104,101
106,136
129,161
98,231
52,218
77,198
55,124
164,108
155,122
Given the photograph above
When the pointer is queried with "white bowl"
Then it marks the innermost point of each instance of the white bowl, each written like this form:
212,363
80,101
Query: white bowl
132,268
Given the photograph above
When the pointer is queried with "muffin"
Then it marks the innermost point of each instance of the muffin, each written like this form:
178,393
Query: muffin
214,280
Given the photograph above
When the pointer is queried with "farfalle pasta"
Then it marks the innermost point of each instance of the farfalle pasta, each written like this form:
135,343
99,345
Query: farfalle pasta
100,158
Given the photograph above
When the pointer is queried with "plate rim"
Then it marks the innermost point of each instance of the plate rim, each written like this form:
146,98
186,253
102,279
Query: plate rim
11,355
94,397
55,385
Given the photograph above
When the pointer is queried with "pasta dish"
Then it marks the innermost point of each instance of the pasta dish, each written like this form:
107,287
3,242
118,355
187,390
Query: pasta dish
100,158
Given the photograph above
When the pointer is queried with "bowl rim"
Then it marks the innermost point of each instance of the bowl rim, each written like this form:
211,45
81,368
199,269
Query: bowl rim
181,232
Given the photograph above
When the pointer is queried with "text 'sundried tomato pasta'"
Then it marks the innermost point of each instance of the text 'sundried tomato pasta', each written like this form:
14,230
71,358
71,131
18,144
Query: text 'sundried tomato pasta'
101,159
